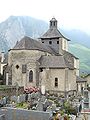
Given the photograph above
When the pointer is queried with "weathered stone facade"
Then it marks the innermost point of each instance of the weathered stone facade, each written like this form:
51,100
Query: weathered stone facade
46,62
28,58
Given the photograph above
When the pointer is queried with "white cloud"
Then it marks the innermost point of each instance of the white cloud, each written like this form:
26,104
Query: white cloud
69,13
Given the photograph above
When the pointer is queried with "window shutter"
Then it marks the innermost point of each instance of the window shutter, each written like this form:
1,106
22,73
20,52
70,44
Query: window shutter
24,68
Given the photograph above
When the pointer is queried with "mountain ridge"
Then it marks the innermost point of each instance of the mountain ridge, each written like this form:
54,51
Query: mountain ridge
16,27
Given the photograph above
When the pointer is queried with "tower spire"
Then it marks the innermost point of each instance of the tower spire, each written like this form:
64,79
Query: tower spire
53,23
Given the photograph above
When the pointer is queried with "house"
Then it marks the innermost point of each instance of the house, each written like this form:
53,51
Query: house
46,62
87,78
2,62
81,85
86,100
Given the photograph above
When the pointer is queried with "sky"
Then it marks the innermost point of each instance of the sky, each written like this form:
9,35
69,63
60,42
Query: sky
71,14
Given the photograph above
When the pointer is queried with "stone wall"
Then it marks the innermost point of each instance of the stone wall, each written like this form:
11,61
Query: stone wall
48,79
71,80
66,79
54,44
2,117
64,44
24,57
20,114
9,91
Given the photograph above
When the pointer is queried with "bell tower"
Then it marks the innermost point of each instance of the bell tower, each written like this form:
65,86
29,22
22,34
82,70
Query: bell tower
54,39
53,23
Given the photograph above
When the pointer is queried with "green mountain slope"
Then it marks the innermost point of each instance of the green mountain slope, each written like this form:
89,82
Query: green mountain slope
83,53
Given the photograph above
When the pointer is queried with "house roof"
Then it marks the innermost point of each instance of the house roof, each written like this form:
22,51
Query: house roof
54,62
79,79
27,43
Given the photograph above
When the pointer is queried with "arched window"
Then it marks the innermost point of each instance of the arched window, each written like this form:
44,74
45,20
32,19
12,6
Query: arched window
56,82
54,23
50,23
31,76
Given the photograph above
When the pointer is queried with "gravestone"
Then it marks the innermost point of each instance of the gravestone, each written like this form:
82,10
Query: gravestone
4,100
29,97
40,106
18,99
53,107
23,97
14,98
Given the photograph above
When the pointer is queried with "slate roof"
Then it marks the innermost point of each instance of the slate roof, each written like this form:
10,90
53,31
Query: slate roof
53,32
28,43
79,79
53,19
69,54
54,62
69,59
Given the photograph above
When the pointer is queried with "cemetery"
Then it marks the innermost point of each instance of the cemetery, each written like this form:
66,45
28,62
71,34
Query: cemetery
40,102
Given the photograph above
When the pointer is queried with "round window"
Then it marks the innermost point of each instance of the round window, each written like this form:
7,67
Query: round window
17,66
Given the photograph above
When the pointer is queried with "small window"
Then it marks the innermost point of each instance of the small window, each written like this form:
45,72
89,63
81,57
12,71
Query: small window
24,67
50,42
54,23
43,42
56,82
31,76
17,66
50,23
57,42
41,69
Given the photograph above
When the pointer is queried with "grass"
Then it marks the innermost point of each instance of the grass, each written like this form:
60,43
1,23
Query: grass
23,105
83,54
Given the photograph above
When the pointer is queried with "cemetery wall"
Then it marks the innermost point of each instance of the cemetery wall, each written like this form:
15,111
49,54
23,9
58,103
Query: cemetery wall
9,91
20,114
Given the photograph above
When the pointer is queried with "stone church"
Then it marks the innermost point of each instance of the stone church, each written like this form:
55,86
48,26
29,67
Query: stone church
43,62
